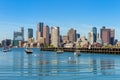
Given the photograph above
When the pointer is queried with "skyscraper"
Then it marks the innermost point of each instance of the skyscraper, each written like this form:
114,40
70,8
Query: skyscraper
19,35
105,35
55,41
94,30
112,36
77,35
39,32
40,26
22,32
91,37
30,33
72,35
46,34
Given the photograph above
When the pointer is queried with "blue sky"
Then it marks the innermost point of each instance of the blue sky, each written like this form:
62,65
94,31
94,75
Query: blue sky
81,15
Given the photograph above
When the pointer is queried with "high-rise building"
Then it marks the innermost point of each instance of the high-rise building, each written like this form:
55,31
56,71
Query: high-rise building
72,35
107,36
22,32
6,42
77,35
39,32
112,36
19,35
46,34
30,33
40,27
94,30
91,37
55,40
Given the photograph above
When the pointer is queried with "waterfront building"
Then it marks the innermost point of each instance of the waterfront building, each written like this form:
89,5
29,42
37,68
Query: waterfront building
31,40
39,32
41,40
30,33
72,35
99,39
55,36
94,30
46,34
69,45
6,42
21,29
20,43
19,35
91,37
112,36
64,38
107,35
84,43
15,43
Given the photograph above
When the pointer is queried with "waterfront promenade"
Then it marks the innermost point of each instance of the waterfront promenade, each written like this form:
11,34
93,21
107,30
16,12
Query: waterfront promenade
87,50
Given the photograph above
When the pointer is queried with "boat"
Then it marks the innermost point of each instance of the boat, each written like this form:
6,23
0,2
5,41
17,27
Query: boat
77,53
6,49
28,51
59,51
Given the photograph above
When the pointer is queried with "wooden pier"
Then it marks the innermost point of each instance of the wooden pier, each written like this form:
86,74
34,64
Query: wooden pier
87,50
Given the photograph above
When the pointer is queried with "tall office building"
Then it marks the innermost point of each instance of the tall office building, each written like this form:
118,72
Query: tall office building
30,33
6,42
19,35
112,36
55,36
46,34
39,32
94,30
107,36
40,26
72,35
91,37
77,35
22,32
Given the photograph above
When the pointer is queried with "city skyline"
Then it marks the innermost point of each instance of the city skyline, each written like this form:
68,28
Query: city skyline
81,15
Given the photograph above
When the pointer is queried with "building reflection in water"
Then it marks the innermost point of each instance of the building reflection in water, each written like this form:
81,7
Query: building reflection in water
18,63
48,65
29,65
94,66
107,66
45,64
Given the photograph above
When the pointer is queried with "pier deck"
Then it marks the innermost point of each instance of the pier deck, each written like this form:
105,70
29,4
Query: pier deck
87,50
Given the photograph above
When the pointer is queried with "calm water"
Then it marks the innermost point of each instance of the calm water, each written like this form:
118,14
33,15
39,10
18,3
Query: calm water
44,65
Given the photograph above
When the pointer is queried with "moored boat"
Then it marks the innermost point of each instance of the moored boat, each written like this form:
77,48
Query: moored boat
59,51
77,53
28,51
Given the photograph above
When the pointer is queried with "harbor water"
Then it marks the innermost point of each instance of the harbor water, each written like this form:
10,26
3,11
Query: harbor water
46,65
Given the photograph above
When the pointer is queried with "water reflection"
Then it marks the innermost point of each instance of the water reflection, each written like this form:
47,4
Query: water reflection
107,66
94,66
43,64
18,63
